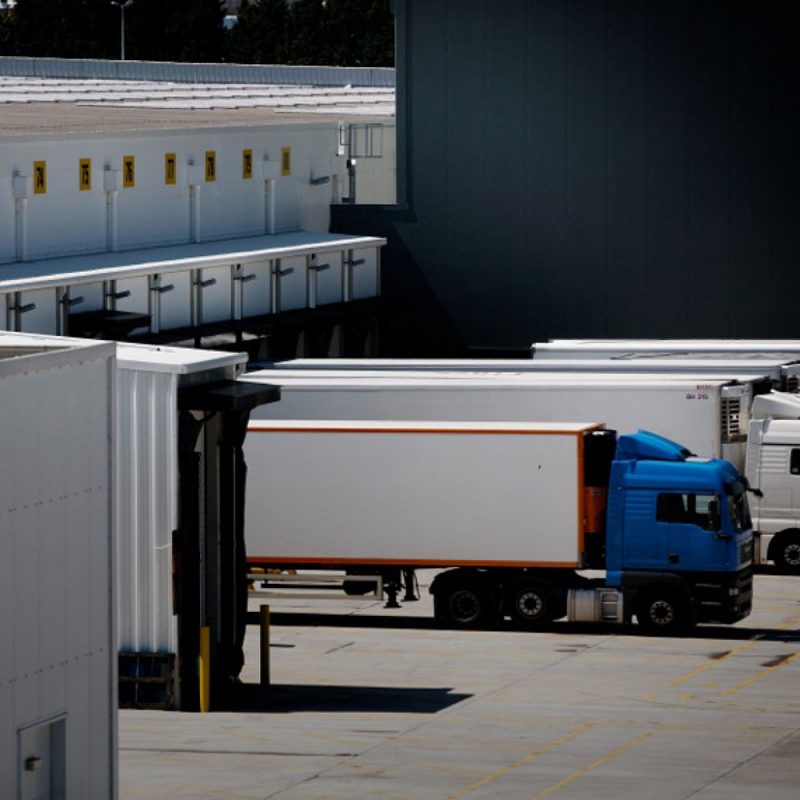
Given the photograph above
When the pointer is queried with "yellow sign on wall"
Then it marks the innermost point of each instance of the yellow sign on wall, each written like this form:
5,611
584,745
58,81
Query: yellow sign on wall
247,164
40,177
211,165
170,169
128,172
85,174
286,161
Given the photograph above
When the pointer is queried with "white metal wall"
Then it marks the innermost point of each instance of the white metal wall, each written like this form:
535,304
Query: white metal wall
58,655
65,220
147,468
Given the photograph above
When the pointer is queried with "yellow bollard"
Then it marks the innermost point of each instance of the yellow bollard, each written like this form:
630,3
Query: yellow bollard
264,619
204,668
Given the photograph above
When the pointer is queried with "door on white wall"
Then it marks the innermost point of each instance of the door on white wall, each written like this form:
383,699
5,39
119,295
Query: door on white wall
41,762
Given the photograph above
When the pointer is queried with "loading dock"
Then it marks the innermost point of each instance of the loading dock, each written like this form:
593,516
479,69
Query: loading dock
181,417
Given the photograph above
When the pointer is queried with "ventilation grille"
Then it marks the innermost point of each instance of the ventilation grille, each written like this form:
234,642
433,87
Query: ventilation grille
732,422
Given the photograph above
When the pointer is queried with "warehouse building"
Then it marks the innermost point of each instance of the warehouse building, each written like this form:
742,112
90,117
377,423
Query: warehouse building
604,168
58,723
172,204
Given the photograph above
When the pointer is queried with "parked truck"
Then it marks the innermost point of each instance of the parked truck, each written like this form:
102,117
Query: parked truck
510,511
784,373
758,430
605,348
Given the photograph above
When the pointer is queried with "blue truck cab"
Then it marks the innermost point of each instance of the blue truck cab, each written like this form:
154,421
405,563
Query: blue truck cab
678,539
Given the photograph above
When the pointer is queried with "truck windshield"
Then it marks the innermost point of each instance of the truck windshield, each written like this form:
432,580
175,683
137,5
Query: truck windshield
740,512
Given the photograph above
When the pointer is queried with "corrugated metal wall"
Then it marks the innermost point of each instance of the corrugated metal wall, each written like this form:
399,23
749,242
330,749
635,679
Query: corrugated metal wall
594,167
57,654
195,73
147,472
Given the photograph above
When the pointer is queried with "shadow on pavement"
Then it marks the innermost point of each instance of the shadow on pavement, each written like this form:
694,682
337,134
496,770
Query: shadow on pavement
287,698
389,622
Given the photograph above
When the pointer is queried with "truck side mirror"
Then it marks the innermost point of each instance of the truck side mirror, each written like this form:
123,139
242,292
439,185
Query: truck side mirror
714,515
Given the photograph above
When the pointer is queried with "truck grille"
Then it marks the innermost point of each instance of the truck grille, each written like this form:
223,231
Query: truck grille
746,552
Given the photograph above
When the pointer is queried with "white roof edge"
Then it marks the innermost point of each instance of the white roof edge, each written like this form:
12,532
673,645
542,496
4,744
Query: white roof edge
133,356
52,358
423,426
52,276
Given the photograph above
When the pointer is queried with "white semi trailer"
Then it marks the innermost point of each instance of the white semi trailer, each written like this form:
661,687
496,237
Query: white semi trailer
690,348
742,421
783,372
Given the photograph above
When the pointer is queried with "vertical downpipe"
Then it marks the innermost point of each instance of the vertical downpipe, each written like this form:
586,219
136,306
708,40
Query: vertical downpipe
269,206
347,277
23,189
194,213
21,218
311,283
275,285
111,179
111,222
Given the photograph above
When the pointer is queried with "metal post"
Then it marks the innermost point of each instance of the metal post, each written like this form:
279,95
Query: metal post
122,6
204,668
264,622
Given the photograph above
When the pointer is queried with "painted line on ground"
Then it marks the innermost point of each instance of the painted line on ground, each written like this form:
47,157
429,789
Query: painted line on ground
594,765
713,662
736,651
759,675
519,762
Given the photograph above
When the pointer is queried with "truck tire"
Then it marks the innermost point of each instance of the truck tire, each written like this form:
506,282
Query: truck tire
464,603
531,604
663,611
786,553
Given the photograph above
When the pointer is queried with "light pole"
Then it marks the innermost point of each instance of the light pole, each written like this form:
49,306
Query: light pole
122,6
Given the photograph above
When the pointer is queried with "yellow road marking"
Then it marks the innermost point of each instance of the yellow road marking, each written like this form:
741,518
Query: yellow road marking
759,675
746,646
686,697
703,667
600,761
535,754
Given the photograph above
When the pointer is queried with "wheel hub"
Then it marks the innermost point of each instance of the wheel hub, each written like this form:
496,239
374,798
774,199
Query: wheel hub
465,606
791,554
529,604
662,612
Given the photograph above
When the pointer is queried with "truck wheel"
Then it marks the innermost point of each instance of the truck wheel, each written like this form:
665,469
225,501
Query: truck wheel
531,604
463,604
661,611
787,554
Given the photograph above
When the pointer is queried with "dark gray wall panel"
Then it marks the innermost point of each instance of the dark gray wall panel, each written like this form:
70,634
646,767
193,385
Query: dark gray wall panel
586,166
595,167
667,70
708,90
505,190
545,132
751,168
627,207
466,162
